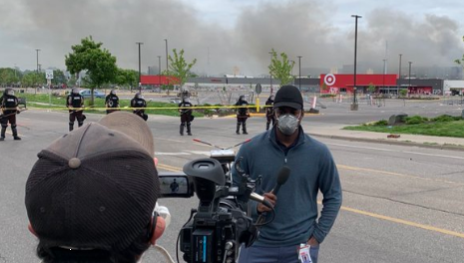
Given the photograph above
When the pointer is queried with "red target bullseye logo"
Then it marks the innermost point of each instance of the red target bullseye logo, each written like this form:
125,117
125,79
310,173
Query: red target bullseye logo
329,79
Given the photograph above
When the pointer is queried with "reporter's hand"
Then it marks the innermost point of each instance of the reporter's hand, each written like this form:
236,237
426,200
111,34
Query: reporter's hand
269,197
313,242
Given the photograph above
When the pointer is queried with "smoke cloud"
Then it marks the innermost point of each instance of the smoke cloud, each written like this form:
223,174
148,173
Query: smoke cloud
298,28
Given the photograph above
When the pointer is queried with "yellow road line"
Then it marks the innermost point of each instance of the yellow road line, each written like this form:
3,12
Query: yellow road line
361,212
352,168
404,222
169,168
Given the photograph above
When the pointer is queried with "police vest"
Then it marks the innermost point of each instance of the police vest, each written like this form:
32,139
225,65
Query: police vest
185,104
113,101
139,102
76,100
10,102
242,111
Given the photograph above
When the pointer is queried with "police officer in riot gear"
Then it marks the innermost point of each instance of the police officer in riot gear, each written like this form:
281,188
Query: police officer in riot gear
112,102
75,104
242,114
186,116
139,104
9,104
270,117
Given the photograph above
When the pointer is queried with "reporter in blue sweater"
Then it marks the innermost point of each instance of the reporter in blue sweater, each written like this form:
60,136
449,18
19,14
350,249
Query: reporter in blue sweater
312,169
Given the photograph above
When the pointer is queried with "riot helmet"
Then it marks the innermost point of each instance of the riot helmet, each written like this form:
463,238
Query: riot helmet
113,92
9,92
75,91
138,95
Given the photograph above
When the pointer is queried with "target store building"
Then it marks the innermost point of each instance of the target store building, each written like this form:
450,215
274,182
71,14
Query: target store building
344,83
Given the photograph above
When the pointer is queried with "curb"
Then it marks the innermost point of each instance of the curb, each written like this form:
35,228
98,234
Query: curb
401,143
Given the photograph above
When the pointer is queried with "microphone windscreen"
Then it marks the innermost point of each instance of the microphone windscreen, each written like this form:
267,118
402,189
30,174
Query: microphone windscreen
283,175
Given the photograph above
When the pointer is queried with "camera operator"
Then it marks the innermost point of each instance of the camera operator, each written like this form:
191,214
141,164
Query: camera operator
91,195
312,169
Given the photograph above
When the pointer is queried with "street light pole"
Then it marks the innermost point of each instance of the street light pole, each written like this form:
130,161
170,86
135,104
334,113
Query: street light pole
399,77
37,50
299,72
270,74
384,70
409,85
355,103
140,67
167,63
159,70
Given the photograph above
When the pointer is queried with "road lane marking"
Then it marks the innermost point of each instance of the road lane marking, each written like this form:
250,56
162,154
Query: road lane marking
396,151
365,213
353,168
403,222
168,168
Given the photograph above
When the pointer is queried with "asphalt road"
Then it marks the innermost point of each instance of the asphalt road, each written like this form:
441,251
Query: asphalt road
401,204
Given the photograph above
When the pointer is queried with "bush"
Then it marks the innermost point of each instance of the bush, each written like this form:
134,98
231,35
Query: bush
327,95
446,118
381,123
416,120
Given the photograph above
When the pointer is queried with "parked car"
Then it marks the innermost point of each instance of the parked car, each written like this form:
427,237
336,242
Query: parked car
97,94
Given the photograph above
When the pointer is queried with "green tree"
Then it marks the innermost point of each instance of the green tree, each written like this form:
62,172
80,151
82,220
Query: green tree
461,61
180,68
324,87
403,93
127,77
371,88
99,64
8,76
32,78
58,77
281,68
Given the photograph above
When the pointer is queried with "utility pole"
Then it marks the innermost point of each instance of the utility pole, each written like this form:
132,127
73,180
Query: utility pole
159,70
299,72
140,67
384,72
37,50
354,106
167,63
409,84
399,77
270,74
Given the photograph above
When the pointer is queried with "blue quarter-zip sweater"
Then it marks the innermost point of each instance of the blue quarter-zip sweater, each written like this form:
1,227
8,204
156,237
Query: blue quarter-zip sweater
312,169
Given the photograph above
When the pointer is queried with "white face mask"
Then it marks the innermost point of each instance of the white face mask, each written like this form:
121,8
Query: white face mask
287,123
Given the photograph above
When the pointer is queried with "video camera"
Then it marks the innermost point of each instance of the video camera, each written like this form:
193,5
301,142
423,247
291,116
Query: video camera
216,229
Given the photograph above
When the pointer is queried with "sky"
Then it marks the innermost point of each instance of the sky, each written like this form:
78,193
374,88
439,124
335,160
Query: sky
234,36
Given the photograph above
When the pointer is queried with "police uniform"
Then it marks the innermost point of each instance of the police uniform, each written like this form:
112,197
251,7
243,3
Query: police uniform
9,104
75,103
139,103
270,117
185,116
111,102
242,114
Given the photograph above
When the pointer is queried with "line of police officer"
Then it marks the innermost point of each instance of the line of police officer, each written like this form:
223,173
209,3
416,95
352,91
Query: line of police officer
75,104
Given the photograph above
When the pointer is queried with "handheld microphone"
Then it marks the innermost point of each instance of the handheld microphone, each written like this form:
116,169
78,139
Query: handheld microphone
282,178
260,199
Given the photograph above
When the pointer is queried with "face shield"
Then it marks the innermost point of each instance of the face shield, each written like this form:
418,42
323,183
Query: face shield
10,92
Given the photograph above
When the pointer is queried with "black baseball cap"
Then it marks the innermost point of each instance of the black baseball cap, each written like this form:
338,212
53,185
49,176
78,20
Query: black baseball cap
288,96
96,187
